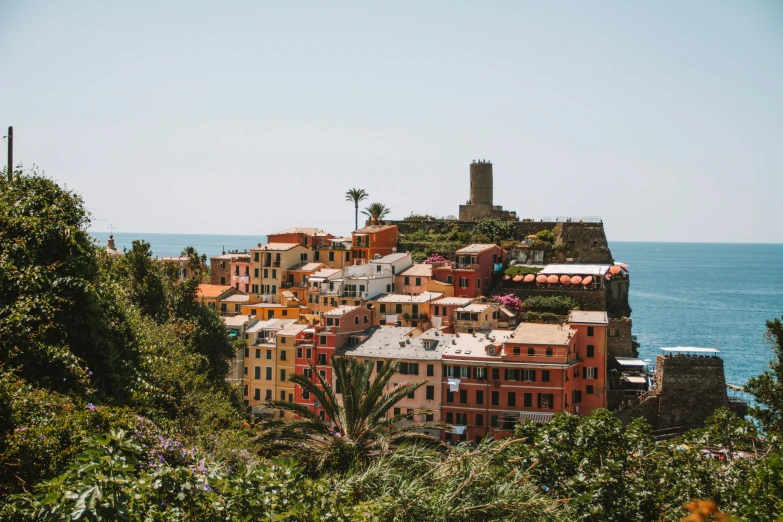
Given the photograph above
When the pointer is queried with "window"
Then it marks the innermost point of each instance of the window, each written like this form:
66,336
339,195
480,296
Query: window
516,350
255,258
258,353
257,395
307,372
449,396
268,395
247,352
255,273
266,273
322,373
245,391
430,370
549,352
511,375
512,398
450,417
463,396
378,365
299,353
245,370
462,418
418,281
479,396
495,374
309,353
428,417
269,355
257,372
383,308
531,351
480,373
495,398
407,280
356,319
282,395
322,340
528,400
412,395
478,282
544,375
321,359
589,390
274,273
493,421
366,320
546,401
576,396
303,256
590,331
590,350
430,393
285,313
529,375
449,279
408,369
463,282
268,373
479,419
282,340
464,372
282,375
305,394
282,355
591,373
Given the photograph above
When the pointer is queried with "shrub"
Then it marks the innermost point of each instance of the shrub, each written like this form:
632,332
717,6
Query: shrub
556,304
546,235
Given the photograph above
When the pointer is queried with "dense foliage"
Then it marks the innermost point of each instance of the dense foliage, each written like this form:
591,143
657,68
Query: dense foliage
114,406
555,304
515,270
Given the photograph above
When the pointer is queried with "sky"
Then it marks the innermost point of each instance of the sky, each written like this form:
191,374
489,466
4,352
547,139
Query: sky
663,118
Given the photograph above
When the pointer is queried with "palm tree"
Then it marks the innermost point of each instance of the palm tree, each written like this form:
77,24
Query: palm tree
376,212
359,414
356,195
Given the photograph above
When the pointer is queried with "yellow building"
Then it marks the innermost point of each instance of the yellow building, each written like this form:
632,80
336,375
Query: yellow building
405,310
270,262
288,340
439,286
266,311
334,252
297,278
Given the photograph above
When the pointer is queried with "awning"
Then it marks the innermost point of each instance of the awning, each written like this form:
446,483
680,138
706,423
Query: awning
634,379
565,280
535,417
518,278
552,279
529,278
232,334
587,280
540,278
629,361
575,280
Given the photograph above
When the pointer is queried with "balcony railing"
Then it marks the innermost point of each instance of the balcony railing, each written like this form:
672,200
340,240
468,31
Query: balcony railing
360,295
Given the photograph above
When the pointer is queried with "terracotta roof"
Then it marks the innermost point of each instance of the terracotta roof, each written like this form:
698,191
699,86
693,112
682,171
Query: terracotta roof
212,291
340,310
276,246
475,248
371,229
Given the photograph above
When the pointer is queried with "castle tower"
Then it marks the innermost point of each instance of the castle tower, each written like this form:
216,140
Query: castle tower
481,184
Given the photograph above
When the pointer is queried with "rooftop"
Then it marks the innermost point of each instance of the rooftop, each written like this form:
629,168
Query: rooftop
175,258
475,248
237,320
275,247
577,317
474,307
212,291
383,342
325,273
418,270
237,298
299,230
406,298
391,258
292,329
535,333
235,255
269,305
340,310
270,324
371,229
593,270
453,301
307,267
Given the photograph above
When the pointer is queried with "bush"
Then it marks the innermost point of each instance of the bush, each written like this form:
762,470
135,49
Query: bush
521,270
546,235
558,305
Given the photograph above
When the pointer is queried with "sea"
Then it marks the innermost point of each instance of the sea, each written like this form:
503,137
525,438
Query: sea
708,295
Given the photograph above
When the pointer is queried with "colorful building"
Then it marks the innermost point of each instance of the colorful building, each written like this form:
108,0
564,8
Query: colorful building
231,269
482,315
373,240
444,311
413,280
266,311
269,262
404,310
260,365
591,345
210,295
307,237
334,252
473,271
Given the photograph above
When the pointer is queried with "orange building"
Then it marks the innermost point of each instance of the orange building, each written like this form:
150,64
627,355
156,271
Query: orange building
373,240
307,237
210,295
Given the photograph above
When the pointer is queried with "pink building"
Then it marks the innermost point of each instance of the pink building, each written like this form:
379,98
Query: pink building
473,270
413,279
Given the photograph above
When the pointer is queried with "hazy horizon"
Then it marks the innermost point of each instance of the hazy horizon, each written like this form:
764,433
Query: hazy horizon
664,119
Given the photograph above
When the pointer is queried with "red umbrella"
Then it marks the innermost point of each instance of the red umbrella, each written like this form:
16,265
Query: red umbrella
518,278
575,280
530,278
541,278
587,280
552,279
615,269
565,280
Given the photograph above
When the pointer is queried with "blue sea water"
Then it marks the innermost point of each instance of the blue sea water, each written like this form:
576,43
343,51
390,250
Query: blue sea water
682,294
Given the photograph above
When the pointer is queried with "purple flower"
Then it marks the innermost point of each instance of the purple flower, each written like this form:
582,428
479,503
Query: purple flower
201,467
207,488
91,406
162,459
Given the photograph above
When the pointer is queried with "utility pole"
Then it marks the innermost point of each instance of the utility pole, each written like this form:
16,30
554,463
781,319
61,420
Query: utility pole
10,154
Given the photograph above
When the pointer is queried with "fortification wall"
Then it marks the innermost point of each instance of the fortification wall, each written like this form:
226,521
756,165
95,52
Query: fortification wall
647,409
620,341
691,389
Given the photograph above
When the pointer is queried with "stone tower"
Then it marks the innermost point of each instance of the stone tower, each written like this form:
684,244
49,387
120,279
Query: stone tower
481,184
480,204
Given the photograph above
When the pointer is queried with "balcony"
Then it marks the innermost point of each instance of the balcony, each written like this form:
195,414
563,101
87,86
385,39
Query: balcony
355,294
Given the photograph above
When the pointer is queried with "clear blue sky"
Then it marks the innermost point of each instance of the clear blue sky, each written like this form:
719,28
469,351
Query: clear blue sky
664,118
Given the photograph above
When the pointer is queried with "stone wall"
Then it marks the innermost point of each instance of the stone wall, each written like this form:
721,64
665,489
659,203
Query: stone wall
619,340
587,299
216,272
648,410
691,388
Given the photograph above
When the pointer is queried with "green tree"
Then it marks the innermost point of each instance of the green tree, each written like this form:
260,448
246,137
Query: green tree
545,235
143,276
359,413
495,229
376,212
197,263
356,196
767,388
